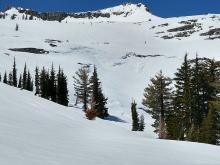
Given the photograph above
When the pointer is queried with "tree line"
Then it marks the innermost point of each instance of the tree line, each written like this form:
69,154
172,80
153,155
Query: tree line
48,84
188,106
53,86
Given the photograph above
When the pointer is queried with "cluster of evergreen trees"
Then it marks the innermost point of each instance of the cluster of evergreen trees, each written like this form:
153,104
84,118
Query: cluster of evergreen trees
88,91
137,123
52,86
25,80
190,110
48,84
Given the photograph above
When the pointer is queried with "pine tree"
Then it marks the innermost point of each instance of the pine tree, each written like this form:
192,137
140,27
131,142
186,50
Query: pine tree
14,74
208,131
157,98
141,123
81,86
135,119
204,73
24,79
62,91
183,98
98,100
16,27
44,84
29,82
37,81
20,82
5,80
10,79
52,85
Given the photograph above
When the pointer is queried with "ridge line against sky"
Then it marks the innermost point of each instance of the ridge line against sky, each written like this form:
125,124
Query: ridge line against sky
162,8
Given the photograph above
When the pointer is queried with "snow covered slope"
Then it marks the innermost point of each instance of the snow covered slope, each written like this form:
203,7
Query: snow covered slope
35,131
127,54
127,50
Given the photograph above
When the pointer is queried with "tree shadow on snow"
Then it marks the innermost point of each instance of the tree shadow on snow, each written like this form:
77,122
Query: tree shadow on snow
114,118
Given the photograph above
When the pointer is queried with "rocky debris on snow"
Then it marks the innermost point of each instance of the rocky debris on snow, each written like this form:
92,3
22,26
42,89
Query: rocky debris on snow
118,64
182,28
163,25
189,22
52,42
30,50
7,54
211,32
160,32
167,37
133,54
186,30
85,65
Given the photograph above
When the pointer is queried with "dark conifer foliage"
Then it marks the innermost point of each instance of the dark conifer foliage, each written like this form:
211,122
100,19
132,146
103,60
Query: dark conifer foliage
157,100
134,114
52,85
183,97
98,100
10,79
192,111
16,27
29,85
37,81
24,79
44,84
141,123
62,91
5,80
20,82
14,72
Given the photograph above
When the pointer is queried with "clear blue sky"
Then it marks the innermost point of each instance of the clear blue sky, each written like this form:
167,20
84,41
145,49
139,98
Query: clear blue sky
163,8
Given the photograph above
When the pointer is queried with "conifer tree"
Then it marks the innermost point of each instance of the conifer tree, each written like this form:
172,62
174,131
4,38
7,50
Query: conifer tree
183,98
24,79
208,132
134,114
44,84
157,100
10,79
37,81
62,91
141,123
52,85
29,85
0,77
81,86
5,80
14,72
20,82
98,100
16,27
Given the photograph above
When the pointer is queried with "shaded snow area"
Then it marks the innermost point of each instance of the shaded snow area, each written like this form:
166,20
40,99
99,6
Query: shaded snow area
128,48
35,131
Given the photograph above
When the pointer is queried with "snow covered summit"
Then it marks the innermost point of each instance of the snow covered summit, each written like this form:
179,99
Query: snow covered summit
127,12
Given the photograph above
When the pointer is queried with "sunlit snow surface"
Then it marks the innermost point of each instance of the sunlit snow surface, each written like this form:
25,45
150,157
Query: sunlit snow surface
35,131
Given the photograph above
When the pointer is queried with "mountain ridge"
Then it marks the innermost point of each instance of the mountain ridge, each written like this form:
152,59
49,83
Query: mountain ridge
125,12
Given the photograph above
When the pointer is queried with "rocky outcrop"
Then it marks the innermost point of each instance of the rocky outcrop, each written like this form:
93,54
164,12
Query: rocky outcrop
182,28
30,50
211,32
